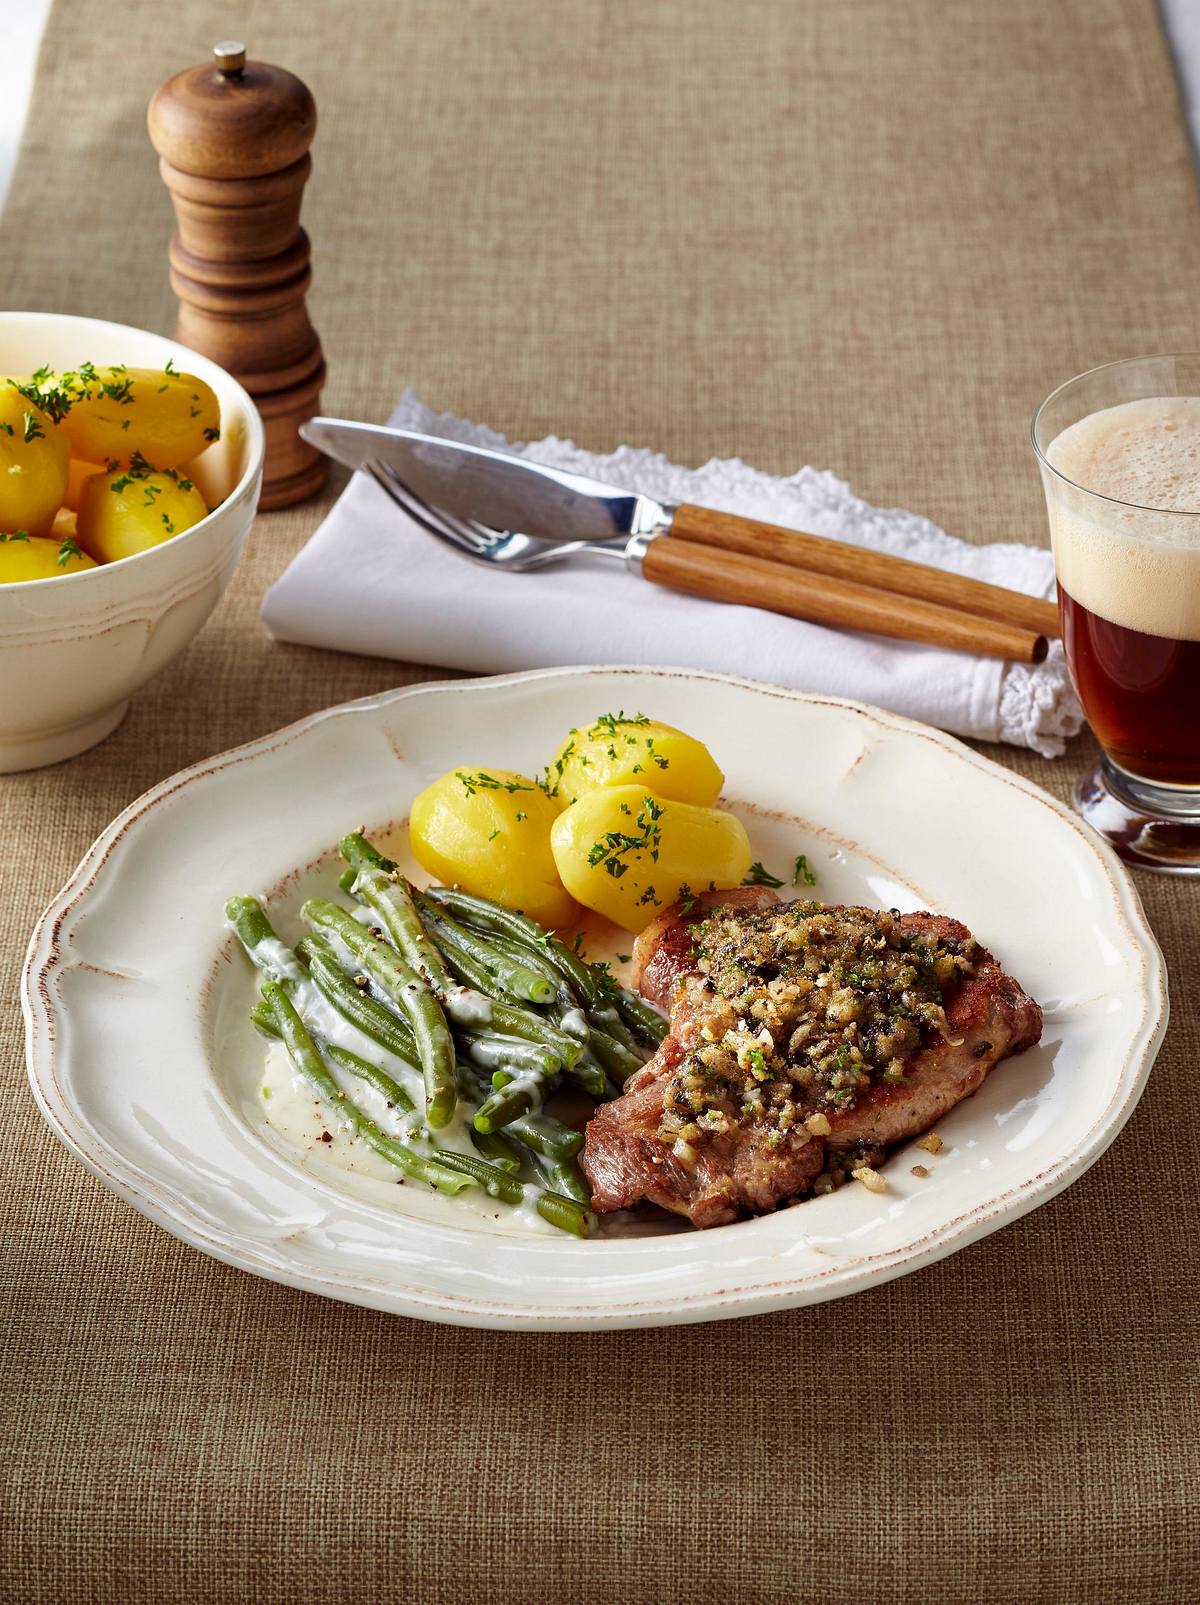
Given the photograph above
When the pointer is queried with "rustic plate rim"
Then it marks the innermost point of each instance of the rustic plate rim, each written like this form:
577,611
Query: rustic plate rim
46,953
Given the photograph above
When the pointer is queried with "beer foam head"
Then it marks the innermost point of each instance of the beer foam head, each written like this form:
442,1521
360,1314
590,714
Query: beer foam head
1144,452
1134,558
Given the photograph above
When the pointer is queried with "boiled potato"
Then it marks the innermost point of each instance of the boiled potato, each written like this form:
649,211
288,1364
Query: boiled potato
629,750
627,852
77,472
488,830
35,558
33,464
167,417
125,512
65,526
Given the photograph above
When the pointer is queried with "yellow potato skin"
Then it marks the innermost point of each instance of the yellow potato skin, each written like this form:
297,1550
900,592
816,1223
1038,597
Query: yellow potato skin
33,472
679,845
119,411
616,751
492,840
120,515
37,559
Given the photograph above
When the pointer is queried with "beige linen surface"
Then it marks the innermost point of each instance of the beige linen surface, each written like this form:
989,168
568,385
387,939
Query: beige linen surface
868,236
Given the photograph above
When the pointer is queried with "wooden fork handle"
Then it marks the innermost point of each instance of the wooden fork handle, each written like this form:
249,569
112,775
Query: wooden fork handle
844,604
861,565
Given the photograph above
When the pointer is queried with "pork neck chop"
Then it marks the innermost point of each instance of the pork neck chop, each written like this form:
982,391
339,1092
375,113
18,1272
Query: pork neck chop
804,1039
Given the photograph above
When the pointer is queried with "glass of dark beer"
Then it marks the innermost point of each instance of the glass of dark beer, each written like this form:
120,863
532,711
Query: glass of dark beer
1119,451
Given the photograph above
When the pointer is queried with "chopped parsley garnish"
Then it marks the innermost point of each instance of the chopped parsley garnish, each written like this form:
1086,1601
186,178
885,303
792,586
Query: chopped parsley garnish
756,875
67,551
801,874
169,525
482,781
170,367
212,434
138,468
18,535
559,765
33,429
605,724
55,400
614,846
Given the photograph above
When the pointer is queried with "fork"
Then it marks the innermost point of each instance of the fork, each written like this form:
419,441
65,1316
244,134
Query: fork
494,548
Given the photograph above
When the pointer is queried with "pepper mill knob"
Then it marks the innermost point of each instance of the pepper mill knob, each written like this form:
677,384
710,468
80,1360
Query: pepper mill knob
233,139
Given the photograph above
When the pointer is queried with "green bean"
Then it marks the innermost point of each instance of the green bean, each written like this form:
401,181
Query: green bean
528,958
564,1176
409,992
257,935
504,1018
496,916
384,1028
619,1061
495,1181
594,988
508,1053
449,1172
542,1134
495,1146
568,1214
374,884
516,979
384,1084
644,1021
263,1017
507,1103
591,1078
307,1060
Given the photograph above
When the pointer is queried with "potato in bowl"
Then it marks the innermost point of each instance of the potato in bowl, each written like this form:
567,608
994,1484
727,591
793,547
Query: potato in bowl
76,644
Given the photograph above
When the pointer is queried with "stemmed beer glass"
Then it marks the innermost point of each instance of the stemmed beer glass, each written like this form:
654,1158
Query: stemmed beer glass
1119,452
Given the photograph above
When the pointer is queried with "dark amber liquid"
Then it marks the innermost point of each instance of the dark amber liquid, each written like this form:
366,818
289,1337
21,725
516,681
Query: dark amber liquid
1141,694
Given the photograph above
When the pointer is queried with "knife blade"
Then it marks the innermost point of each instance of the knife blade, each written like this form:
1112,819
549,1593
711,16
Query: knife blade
495,487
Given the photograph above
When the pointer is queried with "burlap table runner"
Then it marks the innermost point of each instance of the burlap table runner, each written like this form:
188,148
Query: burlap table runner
866,236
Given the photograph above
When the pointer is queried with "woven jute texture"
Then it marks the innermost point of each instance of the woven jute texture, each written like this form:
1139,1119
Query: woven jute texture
865,236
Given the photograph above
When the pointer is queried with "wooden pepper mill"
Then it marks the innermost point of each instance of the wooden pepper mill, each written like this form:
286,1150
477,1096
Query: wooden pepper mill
233,140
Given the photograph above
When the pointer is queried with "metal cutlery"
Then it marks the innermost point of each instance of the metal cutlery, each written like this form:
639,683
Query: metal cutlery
506,512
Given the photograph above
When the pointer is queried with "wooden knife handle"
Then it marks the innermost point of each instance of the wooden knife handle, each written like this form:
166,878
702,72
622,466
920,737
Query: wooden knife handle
863,566
844,604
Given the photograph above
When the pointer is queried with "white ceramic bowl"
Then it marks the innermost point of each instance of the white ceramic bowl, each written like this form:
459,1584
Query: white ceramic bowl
75,648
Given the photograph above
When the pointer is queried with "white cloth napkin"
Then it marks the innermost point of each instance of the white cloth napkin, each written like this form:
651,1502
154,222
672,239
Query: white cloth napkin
371,581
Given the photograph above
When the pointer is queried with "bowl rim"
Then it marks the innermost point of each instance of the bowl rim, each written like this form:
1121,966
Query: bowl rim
256,445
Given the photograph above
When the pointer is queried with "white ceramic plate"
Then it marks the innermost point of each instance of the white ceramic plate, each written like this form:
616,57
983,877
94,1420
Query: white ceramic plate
142,1061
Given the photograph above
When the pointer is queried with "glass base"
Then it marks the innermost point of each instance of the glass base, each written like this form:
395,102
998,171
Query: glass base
1155,827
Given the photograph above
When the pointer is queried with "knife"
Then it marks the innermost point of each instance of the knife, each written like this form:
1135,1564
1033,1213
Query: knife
721,556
